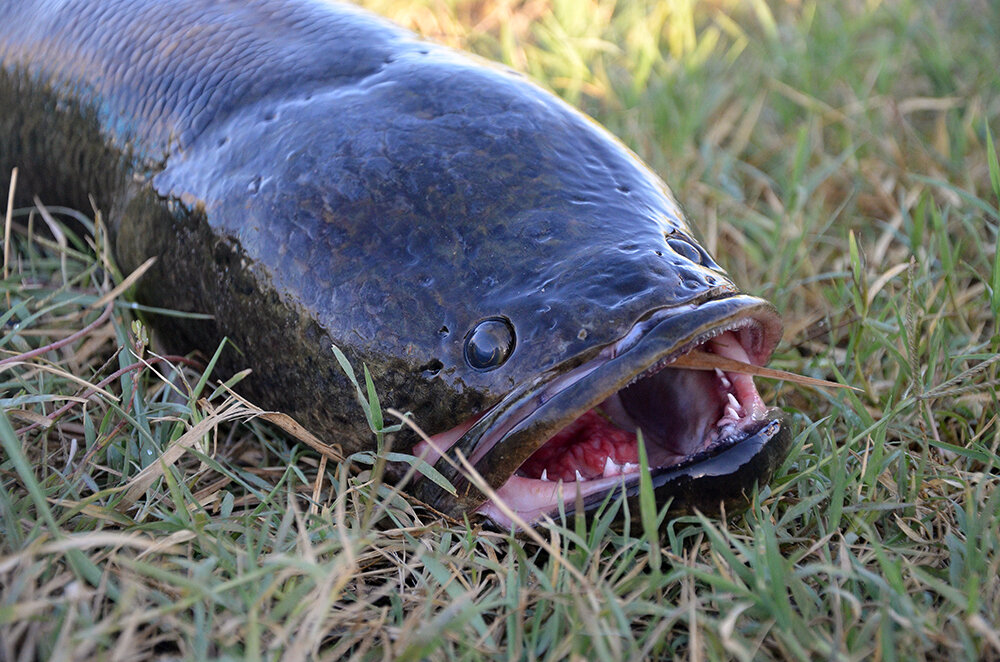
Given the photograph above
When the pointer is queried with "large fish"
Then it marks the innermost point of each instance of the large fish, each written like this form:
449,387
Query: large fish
312,175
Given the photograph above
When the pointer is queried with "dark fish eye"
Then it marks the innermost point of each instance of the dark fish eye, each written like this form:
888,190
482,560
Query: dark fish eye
685,249
489,344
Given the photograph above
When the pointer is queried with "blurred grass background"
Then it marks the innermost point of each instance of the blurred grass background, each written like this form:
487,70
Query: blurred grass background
835,157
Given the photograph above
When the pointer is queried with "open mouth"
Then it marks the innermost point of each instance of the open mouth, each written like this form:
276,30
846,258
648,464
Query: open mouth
680,412
578,437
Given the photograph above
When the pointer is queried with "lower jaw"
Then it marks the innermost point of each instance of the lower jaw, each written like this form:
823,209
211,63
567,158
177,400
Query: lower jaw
718,479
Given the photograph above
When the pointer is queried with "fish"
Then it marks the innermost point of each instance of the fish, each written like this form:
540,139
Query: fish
315,177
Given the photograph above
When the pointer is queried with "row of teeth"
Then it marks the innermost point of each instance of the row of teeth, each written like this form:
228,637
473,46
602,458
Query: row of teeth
611,468
732,413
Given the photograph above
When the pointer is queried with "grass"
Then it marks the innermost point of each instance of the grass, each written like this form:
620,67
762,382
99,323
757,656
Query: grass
837,158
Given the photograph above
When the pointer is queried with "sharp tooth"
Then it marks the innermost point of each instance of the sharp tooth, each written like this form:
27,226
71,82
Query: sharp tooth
731,413
722,378
733,401
628,467
545,474
579,478
611,468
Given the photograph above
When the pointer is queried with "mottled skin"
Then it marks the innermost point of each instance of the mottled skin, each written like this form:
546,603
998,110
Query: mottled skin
312,175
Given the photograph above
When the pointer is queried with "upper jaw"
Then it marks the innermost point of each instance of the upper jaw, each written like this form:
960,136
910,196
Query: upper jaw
500,441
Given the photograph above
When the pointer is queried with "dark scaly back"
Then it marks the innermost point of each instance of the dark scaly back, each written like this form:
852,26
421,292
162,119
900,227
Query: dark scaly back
155,75
313,175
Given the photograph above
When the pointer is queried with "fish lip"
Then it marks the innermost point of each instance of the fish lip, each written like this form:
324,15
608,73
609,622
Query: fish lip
505,436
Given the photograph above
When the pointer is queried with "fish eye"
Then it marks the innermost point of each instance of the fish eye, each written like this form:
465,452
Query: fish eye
489,344
685,249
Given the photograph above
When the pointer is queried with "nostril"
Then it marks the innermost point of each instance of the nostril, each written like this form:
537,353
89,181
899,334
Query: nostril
692,283
684,249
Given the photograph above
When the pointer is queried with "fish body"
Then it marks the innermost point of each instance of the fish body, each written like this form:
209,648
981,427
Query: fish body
313,175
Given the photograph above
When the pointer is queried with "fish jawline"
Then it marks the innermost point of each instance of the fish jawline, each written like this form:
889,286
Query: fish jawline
694,437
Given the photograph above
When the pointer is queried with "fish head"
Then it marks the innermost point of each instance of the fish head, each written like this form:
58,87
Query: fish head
569,431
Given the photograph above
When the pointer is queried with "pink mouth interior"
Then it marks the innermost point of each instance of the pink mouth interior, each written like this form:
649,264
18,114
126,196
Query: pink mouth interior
589,447
680,413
